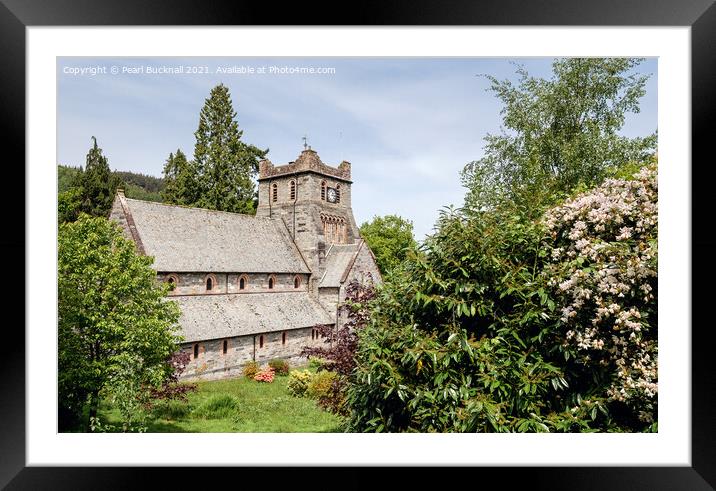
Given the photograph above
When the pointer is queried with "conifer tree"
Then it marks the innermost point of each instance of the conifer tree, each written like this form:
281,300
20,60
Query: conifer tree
98,183
179,180
223,164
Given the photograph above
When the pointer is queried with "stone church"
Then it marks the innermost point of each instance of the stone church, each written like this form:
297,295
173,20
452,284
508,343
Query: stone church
255,287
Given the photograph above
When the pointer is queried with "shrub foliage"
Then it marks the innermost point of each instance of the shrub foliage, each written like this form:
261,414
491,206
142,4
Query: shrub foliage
251,368
279,366
340,344
298,381
476,331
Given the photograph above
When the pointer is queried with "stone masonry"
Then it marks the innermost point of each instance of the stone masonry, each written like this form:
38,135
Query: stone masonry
255,287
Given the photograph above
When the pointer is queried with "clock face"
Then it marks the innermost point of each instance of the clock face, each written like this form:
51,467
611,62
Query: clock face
331,195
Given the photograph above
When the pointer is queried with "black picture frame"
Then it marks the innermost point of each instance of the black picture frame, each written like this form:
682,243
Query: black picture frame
700,15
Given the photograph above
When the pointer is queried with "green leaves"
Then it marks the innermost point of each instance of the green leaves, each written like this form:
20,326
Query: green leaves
116,331
561,134
390,238
472,323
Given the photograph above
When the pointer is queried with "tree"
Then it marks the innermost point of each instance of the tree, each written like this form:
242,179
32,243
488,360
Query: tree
67,177
68,204
178,180
223,167
448,345
505,323
72,195
117,332
98,183
389,238
559,134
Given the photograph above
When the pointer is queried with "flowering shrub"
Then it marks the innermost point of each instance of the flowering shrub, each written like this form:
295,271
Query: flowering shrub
603,273
265,375
298,381
505,323
251,368
321,385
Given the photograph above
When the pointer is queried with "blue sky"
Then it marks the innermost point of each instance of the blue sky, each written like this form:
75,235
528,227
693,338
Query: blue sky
407,125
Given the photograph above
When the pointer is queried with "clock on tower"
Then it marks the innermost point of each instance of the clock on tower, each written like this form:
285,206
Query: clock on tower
332,195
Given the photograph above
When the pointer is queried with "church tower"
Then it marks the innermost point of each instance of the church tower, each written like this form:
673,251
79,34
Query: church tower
314,201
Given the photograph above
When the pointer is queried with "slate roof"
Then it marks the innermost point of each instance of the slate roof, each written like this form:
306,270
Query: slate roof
221,316
183,239
339,258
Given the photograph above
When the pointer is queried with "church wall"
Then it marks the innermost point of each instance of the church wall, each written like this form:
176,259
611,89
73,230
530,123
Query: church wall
328,297
212,363
195,283
363,265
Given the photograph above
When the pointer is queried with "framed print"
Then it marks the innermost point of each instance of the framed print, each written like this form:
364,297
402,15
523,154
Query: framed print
67,67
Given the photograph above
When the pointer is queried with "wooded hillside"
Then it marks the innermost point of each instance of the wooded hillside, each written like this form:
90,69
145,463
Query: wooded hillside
137,186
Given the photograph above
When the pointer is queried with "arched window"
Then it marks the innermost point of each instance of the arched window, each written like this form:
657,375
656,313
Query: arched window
338,193
270,284
292,186
196,351
313,334
323,190
243,282
274,192
226,346
261,341
296,281
283,338
210,282
173,282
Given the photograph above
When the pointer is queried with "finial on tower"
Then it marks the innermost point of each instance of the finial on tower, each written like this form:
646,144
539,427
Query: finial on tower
305,143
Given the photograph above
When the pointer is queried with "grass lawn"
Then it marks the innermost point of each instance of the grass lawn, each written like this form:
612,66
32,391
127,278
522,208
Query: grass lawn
257,408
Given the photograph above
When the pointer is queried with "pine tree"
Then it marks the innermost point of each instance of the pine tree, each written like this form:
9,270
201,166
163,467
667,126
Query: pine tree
98,183
223,164
179,180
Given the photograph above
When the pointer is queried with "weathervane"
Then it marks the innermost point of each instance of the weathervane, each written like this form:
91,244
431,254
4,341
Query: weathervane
305,143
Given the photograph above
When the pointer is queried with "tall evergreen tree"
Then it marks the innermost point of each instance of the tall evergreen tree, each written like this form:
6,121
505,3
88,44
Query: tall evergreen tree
223,164
97,183
178,180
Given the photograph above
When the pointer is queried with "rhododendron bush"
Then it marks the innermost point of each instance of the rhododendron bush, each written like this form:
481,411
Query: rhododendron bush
265,375
604,275
502,322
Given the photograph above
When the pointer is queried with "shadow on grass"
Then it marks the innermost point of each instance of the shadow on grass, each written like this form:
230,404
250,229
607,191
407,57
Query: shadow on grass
164,426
